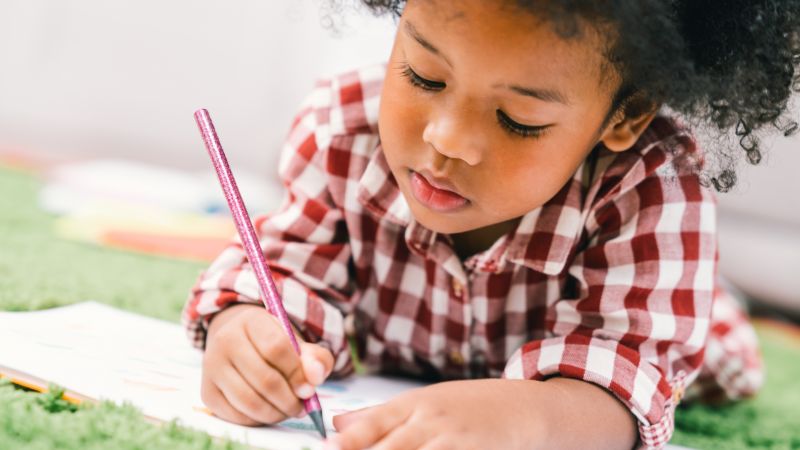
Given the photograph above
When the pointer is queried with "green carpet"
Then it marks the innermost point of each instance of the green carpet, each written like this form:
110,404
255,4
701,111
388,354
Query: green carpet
39,270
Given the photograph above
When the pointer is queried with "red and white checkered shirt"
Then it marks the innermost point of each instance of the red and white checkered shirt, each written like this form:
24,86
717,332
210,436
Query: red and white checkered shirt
612,281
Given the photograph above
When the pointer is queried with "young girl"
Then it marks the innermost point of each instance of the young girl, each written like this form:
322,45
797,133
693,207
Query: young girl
510,205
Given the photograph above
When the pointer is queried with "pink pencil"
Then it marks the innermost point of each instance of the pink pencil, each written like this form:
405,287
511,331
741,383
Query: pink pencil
269,294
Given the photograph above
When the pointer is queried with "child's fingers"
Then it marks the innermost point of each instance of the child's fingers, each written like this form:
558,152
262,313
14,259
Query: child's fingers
275,348
401,438
265,380
215,400
245,399
272,343
317,362
439,443
372,425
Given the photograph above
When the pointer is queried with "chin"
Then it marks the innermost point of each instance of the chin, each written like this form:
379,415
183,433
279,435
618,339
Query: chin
444,223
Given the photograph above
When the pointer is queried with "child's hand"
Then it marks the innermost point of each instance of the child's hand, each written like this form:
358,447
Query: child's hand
251,373
477,414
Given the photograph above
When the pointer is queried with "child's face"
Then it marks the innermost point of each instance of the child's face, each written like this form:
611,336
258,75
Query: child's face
486,113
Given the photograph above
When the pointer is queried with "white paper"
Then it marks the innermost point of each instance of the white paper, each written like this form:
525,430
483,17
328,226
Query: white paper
106,353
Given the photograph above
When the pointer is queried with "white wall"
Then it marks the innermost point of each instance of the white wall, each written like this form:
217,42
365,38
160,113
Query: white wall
118,77
114,77
759,228
772,188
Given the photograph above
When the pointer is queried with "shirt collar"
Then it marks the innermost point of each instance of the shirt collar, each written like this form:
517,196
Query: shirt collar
378,191
545,238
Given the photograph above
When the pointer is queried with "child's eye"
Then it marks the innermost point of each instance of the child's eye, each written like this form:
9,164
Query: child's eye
518,128
506,122
420,82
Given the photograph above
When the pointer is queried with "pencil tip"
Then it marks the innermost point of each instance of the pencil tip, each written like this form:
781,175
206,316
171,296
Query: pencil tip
316,417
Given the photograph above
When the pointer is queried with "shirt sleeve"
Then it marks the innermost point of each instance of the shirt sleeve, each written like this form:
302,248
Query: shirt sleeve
304,242
637,317
733,367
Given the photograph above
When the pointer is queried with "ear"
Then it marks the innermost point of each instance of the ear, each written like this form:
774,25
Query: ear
622,132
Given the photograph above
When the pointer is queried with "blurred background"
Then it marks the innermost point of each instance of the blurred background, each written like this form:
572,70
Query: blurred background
97,97
118,78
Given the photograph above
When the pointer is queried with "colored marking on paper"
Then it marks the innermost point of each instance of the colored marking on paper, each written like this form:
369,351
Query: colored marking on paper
166,374
335,387
299,426
203,409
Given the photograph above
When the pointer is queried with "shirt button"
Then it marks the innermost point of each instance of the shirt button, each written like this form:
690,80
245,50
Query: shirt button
677,394
456,357
458,288
350,325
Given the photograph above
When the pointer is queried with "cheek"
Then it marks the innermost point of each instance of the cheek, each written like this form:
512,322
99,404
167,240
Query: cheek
530,178
519,190
402,117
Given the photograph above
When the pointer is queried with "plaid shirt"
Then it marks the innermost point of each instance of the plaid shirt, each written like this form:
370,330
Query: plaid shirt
612,281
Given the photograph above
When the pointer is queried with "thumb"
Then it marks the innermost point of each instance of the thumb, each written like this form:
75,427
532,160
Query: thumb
317,362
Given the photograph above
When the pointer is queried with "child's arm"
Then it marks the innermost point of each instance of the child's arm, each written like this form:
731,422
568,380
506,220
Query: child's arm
305,243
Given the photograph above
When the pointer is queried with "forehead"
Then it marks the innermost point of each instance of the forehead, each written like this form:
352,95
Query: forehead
511,41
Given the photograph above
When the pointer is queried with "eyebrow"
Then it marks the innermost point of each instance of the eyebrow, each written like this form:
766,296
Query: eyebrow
546,95
412,31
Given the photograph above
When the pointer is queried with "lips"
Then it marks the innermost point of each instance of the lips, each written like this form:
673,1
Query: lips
433,195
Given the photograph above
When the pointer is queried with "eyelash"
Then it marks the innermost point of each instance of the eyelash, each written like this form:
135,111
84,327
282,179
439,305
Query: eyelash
418,81
518,128
506,122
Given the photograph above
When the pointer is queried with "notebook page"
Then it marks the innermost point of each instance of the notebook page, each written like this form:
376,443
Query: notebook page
106,353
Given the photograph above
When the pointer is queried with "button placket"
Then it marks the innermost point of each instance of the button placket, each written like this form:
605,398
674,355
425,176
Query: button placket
456,357
458,288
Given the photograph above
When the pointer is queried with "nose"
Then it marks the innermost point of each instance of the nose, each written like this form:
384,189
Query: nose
455,134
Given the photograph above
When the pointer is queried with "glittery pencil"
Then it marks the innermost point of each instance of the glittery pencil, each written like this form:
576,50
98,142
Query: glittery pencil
269,294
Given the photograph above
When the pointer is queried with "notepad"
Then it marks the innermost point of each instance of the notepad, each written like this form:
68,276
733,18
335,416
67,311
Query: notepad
98,352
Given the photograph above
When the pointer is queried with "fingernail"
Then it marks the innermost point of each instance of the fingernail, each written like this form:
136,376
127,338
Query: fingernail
304,391
316,371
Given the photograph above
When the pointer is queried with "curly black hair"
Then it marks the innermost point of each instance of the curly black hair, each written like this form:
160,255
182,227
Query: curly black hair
728,66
